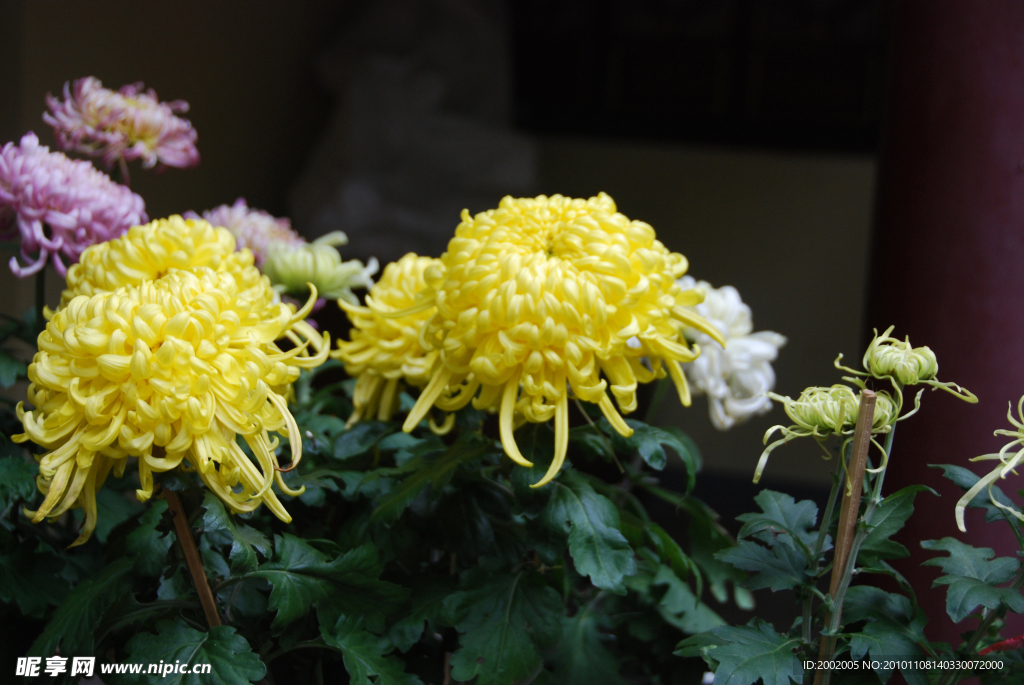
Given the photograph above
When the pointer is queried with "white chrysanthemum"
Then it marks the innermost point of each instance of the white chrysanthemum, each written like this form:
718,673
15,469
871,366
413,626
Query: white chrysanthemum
738,377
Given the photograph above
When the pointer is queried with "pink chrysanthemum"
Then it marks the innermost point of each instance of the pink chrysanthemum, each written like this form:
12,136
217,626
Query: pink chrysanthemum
60,206
252,228
130,123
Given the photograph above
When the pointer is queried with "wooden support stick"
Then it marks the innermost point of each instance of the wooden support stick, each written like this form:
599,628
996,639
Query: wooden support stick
195,563
850,509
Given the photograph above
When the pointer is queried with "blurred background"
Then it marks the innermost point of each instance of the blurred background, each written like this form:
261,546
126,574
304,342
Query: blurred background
846,164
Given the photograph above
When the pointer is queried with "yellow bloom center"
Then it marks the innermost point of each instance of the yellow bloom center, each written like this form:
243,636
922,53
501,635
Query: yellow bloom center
540,297
385,350
169,370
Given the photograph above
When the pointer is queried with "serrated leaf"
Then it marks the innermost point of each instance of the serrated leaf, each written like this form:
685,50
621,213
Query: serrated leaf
779,568
885,641
755,651
887,520
246,541
972,574
428,594
582,656
76,619
231,659
360,438
506,621
966,479
365,654
17,480
780,513
302,576
894,629
148,546
680,607
597,546
10,370
30,576
435,472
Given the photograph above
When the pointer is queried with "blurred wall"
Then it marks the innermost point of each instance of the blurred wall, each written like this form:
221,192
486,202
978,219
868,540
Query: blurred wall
789,231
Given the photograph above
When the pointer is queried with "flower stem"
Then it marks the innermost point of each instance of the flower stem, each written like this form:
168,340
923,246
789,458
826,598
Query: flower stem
847,544
819,544
195,564
40,300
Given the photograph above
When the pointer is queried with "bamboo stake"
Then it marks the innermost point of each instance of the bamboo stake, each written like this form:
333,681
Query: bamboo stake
850,509
195,563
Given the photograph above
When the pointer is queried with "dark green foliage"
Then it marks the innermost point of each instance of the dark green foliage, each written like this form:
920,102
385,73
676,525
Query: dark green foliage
410,558
973,576
746,654
231,659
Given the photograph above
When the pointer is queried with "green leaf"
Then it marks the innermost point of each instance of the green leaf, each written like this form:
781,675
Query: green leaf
755,651
895,629
76,619
779,568
360,438
114,508
780,513
435,472
148,546
10,370
302,576
364,654
592,441
671,553
965,479
582,656
30,576
17,480
246,541
650,442
680,607
597,546
507,621
231,659
887,520
972,574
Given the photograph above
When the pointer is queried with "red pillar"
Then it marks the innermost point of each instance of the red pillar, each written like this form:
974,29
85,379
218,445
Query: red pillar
948,255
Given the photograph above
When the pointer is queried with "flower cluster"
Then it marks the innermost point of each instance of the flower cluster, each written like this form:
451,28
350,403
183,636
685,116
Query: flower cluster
130,123
386,350
60,206
535,300
736,378
158,357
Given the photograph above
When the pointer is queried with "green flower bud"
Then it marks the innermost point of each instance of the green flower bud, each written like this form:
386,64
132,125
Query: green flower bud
888,357
291,267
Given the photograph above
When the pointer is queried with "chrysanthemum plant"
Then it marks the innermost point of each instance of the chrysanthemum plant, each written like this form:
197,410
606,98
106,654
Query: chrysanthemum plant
459,496
786,547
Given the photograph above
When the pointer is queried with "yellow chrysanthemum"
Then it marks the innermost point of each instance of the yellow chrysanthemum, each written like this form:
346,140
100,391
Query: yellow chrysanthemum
150,251
385,350
541,296
169,370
